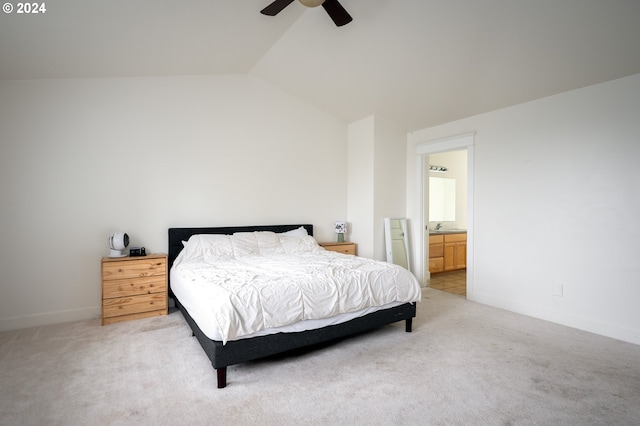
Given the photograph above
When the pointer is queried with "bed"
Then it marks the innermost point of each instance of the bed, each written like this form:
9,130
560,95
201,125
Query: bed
235,344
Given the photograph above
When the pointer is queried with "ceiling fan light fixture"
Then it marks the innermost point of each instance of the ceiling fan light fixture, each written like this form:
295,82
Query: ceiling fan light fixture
311,3
334,9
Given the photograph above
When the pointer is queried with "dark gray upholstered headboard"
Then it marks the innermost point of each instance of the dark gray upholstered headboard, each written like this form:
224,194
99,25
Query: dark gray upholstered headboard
178,235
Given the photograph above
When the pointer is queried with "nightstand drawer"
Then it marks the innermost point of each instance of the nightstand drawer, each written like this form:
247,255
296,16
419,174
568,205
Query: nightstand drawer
134,304
351,249
344,248
140,267
133,287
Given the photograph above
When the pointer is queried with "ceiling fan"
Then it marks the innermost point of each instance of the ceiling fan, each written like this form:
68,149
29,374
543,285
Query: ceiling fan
333,8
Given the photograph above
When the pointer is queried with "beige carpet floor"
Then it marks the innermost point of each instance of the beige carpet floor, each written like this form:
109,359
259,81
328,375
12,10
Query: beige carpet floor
464,364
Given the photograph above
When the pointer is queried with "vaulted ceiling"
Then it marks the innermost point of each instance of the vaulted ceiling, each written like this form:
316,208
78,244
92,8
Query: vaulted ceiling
417,63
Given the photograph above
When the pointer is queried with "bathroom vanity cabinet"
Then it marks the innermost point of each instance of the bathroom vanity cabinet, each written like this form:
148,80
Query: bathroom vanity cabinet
447,251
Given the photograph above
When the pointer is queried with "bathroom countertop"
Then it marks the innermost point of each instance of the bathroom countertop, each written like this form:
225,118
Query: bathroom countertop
448,231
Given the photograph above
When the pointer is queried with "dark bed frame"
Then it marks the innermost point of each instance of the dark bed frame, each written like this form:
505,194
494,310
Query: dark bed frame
238,351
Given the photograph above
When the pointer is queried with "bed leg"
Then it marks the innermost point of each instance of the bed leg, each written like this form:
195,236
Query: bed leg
408,323
222,377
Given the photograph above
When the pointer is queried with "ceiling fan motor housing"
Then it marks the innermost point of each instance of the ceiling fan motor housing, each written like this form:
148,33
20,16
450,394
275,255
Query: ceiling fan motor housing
311,3
334,9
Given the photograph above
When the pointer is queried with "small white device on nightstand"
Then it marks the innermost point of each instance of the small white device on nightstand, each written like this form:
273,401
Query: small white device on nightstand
117,243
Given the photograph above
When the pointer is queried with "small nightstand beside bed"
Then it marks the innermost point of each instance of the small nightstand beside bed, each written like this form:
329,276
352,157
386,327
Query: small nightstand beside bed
255,291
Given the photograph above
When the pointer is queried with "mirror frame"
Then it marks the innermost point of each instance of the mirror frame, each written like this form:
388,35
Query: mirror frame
389,243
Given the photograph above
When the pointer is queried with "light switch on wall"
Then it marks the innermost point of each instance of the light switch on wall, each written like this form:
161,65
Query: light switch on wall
558,290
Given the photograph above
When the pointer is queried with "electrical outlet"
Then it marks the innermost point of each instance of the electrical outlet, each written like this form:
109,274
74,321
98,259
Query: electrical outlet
558,290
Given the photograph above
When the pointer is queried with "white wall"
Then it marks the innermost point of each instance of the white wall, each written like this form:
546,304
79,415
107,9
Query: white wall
556,203
389,180
376,182
360,191
81,159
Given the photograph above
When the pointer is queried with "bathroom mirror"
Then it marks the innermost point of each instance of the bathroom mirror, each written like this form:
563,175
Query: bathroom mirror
397,243
442,199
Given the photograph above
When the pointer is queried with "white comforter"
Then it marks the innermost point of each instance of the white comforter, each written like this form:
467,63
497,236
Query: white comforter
255,281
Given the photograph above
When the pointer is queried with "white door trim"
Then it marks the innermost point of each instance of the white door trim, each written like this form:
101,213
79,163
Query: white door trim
424,149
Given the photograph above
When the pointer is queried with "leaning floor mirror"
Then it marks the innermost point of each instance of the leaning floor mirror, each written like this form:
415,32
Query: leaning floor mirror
397,244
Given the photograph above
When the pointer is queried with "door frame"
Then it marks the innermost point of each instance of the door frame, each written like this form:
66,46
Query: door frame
460,142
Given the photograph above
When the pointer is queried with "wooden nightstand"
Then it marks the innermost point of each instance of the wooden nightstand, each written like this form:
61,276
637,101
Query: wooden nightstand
346,247
133,287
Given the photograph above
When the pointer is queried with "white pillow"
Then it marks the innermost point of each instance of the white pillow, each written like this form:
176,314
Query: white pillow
205,247
211,247
269,243
215,246
191,249
299,245
298,232
244,244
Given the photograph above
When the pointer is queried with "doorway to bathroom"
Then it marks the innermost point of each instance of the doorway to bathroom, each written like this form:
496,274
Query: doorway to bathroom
446,219
447,234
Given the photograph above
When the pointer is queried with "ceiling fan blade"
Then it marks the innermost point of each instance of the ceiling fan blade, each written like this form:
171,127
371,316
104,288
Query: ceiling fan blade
337,12
276,7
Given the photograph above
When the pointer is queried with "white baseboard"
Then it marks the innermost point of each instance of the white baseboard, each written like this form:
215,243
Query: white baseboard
591,325
48,318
